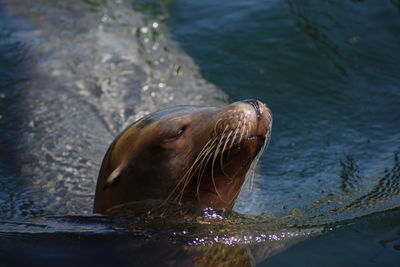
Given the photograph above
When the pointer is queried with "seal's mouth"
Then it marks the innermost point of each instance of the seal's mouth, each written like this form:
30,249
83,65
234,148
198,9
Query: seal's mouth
260,137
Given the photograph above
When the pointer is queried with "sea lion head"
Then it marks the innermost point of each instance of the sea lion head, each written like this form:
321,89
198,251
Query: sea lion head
187,154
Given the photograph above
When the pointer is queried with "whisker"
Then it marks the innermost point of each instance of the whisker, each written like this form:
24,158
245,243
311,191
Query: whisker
212,168
201,172
204,160
188,174
233,138
224,137
215,126
200,160
225,150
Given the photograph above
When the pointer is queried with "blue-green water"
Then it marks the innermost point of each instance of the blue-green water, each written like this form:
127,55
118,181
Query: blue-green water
330,71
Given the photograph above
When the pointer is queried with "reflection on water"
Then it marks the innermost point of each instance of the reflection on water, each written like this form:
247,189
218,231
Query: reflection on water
149,235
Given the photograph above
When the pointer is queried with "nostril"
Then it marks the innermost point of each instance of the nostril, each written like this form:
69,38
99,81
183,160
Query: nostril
255,105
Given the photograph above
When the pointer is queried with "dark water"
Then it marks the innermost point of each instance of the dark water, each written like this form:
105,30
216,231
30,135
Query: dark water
330,72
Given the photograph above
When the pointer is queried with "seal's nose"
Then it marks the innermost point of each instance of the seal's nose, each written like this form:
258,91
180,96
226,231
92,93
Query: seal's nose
255,105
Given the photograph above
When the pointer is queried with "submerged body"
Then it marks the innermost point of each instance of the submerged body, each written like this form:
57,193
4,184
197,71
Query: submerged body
192,155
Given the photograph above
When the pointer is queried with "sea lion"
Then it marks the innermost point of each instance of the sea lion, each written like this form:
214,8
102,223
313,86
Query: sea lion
186,154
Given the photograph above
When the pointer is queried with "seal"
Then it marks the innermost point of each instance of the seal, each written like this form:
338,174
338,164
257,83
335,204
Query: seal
186,154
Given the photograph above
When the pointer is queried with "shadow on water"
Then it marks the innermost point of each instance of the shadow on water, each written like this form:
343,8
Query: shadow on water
13,73
94,67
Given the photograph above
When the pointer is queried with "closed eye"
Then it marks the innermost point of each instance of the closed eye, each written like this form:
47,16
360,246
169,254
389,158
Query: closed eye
175,136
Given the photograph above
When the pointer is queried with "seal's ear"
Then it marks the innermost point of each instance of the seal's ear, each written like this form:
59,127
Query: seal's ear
113,177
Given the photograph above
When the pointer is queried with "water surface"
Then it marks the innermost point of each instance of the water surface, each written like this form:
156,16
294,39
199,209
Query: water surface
74,74
329,70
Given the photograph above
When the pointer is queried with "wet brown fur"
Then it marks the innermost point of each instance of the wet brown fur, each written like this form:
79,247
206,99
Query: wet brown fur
196,155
